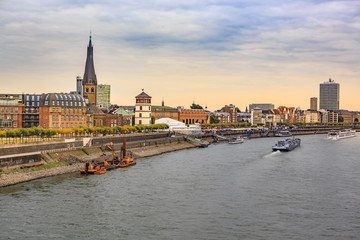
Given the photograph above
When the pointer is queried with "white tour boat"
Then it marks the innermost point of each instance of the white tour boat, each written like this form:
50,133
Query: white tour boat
345,133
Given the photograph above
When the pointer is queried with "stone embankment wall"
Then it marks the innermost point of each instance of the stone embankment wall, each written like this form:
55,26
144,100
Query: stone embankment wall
78,156
12,155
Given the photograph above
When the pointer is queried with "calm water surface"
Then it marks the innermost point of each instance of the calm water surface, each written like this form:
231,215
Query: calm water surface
242,191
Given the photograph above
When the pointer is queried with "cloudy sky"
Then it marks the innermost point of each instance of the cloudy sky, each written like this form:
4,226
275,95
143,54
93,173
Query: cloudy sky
212,52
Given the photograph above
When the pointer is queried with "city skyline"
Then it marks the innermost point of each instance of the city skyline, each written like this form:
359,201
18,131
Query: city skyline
218,53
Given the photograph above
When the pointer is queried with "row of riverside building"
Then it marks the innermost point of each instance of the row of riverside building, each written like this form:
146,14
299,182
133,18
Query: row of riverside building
89,106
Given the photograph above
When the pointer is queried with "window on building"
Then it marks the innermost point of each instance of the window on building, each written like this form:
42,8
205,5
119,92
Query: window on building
67,118
67,125
92,89
87,90
140,107
71,118
15,117
62,118
76,118
140,114
62,125
140,122
15,124
53,117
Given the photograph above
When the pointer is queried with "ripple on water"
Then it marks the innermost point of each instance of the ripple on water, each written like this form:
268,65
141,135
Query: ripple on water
223,192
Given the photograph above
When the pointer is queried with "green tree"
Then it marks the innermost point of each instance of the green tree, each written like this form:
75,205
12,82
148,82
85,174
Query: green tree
214,119
356,120
196,106
340,119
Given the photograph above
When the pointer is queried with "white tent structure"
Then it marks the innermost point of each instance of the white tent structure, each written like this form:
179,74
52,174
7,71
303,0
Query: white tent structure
176,125
173,124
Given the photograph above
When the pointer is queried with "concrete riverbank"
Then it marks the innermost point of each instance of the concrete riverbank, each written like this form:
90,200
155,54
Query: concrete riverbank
78,161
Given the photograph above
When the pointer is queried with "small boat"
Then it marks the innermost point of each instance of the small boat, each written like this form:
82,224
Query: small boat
126,162
93,168
345,133
236,140
283,134
30,166
287,145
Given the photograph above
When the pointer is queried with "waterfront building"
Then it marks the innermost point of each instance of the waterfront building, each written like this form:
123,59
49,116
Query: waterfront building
125,118
89,81
262,106
324,116
164,112
312,116
103,96
11,112
347,116
62,110
268,118
224,117
333,117
287,114
244,116
256,115
143,109
231,109
30,112
313,103
192,116
329,95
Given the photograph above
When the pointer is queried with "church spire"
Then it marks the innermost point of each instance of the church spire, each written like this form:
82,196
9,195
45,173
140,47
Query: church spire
89,74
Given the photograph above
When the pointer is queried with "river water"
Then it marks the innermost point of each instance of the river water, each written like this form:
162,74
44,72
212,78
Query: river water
241,191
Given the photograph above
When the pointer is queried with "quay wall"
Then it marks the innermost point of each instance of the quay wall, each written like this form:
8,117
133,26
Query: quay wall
25,153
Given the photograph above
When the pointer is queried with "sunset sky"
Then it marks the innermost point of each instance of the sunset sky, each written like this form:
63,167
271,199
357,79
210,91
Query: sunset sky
211,52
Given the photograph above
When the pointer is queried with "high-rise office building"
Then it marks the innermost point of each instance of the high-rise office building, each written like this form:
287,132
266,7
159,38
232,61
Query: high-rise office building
103,95
79,85
262,106
313,103
329,95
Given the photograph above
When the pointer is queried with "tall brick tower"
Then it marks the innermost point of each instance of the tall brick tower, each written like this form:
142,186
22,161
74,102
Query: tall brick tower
89,80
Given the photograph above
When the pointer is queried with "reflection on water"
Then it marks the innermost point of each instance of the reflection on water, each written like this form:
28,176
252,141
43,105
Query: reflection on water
243,191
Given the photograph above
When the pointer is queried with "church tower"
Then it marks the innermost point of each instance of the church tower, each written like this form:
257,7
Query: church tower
89,80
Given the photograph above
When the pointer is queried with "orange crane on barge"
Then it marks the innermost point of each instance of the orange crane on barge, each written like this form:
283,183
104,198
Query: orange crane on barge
101,167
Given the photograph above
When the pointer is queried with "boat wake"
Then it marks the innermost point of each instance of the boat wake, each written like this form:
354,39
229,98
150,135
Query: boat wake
273,154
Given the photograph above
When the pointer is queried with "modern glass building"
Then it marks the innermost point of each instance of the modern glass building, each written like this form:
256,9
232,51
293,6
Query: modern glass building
103,96
329,95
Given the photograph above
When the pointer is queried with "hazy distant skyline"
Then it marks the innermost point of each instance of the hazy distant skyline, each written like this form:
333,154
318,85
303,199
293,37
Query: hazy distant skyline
211,52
